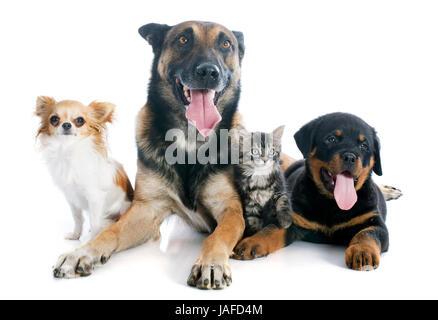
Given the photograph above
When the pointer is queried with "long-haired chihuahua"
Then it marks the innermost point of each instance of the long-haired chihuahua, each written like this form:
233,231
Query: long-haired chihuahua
73,143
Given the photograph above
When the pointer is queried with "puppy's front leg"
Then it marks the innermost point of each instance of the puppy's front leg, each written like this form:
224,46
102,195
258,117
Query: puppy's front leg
364,250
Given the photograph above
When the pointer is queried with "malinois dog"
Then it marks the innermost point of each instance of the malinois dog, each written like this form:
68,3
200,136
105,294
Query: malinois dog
195,83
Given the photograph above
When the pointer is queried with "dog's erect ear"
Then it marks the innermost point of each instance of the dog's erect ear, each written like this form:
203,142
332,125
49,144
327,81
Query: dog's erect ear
102,111
305,137
154,34
241,42
377,163
44,105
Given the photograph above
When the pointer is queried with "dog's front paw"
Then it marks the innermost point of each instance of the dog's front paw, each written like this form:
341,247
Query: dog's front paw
72,236
208,274
362,257
250,248
79,263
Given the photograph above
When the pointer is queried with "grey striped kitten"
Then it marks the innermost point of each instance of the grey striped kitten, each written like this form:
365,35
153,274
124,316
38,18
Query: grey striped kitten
260,181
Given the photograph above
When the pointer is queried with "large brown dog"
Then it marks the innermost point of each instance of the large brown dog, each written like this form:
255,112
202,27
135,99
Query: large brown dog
196,68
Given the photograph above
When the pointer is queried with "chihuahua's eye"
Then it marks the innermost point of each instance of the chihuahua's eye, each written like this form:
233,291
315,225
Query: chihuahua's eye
226,44
183,40
364,147
54,120
79,121
331,140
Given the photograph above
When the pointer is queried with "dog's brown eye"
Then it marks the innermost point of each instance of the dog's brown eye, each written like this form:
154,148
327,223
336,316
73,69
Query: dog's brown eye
79,121
183,40
54,120
331,140
226,44
364,147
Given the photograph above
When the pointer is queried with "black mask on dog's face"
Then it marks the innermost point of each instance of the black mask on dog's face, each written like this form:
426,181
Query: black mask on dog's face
200,61
341,149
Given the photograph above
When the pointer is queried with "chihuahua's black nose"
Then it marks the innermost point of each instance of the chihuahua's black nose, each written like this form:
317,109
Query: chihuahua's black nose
349,158
66,126
207,72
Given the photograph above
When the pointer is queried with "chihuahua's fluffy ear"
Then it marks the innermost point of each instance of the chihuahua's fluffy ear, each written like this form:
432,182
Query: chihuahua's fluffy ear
44,105
102,111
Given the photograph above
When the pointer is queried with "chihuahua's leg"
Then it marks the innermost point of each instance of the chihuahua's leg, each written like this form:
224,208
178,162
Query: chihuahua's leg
96,211
79,222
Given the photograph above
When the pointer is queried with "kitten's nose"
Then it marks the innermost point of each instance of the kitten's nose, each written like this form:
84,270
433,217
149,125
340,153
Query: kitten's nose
66,126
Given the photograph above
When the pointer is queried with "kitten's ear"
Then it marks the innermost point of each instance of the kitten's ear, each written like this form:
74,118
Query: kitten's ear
102,111
44,105
305,137
278,134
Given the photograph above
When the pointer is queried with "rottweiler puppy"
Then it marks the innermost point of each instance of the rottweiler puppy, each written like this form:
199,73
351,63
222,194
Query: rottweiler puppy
333,196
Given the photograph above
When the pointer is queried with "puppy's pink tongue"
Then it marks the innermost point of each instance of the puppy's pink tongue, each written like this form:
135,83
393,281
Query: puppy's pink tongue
345,194
202,111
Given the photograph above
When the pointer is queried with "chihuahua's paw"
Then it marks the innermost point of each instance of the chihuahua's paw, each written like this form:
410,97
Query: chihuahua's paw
72,236
79,263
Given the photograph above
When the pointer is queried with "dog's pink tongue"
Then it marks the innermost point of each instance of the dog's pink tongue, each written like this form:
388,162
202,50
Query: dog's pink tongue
345,194
202,111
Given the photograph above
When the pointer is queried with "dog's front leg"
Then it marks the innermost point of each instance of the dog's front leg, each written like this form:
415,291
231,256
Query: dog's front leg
212,269
139,224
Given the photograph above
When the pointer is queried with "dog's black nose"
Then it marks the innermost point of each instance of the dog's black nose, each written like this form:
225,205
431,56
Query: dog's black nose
66,126
207,72
349,158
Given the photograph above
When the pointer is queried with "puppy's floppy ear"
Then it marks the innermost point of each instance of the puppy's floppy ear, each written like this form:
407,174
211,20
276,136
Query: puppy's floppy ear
377,163
241,42
305,137
44,105
154,34
102,111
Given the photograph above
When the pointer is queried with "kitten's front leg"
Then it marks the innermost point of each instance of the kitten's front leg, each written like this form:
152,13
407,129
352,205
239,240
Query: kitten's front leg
283,211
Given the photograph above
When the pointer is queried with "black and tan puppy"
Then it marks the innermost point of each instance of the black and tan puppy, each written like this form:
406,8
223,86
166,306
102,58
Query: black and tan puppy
334,199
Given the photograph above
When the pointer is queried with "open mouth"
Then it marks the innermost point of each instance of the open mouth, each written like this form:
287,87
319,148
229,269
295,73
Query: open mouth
342,186
186,93
201,107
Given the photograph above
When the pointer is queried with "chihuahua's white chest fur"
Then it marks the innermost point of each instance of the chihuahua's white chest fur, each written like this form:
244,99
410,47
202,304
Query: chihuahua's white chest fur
87,179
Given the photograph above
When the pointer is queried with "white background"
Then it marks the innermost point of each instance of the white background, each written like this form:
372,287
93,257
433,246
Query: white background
377,59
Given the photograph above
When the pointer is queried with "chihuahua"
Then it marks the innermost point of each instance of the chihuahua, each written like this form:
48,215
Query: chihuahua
73,143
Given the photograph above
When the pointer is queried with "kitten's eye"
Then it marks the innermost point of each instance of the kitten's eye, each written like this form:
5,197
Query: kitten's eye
54,120
182,40
79,121
364,147
255,152
226,44
331,140
272,152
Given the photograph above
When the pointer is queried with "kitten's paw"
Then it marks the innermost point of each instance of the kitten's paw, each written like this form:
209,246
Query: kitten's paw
285,219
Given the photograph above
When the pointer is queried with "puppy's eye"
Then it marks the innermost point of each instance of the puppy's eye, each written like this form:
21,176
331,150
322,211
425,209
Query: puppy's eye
331,140
79,121
182,40
54,120
226,44
364,147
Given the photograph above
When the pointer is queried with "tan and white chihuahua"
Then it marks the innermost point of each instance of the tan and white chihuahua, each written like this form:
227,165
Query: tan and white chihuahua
73,143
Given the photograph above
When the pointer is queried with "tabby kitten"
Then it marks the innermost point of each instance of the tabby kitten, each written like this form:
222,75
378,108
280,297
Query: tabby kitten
260,181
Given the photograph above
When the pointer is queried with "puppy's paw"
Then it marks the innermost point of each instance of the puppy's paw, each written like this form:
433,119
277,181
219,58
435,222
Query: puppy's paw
362,257
250,249
79,263
390,193
72,236
208,274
